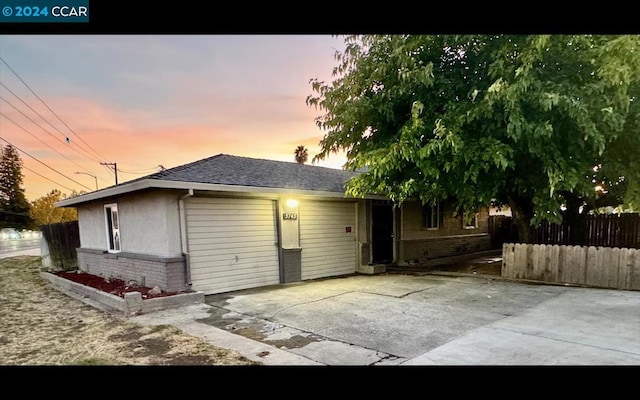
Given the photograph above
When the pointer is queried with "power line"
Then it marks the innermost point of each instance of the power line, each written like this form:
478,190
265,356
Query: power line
50,180
66,141
31,108
49,108
39,126
133,173
48,132
142,171
40,140
51,168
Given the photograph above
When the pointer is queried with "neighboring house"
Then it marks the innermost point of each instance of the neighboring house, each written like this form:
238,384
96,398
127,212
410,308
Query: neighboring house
227,223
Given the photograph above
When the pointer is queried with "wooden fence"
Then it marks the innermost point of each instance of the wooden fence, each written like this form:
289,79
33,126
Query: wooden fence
611,230
63,238
604,267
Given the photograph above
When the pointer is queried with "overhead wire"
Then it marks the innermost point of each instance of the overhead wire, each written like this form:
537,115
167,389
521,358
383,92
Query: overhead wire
49,108
67,141
38,125
87,154
50,180
46,165
37,138
139,172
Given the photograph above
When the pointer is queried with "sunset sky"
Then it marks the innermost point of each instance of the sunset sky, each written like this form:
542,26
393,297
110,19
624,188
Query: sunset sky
141,101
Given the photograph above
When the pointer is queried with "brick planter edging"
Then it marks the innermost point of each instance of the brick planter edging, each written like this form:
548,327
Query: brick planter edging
131,304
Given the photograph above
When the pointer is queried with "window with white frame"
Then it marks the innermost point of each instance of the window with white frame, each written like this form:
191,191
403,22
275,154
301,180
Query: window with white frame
432,216
470,220
113,227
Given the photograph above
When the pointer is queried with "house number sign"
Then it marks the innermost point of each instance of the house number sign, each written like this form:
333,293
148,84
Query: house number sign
289,216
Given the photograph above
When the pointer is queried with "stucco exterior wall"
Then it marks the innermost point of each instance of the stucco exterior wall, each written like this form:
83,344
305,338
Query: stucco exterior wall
149,224
92,227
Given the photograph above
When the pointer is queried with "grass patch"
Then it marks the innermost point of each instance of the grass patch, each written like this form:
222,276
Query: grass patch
41,326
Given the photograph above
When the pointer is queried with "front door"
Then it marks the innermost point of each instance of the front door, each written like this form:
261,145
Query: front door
381,233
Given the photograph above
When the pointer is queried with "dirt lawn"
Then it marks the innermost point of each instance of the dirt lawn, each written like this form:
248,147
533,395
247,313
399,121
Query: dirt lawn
42,326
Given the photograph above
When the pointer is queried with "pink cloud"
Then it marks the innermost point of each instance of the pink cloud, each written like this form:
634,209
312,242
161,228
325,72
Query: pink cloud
141,139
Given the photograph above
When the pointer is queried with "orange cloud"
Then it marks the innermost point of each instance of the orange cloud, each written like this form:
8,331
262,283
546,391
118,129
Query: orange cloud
139,140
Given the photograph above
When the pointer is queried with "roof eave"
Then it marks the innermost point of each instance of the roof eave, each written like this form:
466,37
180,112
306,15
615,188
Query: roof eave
108,192
181,185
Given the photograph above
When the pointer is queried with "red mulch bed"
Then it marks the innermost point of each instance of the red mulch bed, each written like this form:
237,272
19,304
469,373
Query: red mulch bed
114,286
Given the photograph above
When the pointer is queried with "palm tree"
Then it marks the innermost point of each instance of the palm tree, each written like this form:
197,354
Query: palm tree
301,154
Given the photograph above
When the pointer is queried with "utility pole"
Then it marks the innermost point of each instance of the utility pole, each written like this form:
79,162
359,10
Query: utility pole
114,166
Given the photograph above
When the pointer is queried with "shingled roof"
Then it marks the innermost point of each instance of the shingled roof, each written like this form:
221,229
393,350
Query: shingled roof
226,169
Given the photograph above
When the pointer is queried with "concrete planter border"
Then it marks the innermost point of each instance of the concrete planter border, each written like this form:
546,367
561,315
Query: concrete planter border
132,304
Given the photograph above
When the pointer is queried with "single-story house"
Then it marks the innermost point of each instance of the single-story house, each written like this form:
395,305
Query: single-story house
227,223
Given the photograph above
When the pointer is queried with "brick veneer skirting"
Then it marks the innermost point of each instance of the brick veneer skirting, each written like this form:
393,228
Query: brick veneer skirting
168,273
422,250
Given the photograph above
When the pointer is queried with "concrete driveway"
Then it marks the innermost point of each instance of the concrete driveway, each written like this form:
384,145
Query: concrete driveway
400,319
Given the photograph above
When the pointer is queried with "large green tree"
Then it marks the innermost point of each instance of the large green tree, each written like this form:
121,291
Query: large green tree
14,207
533,121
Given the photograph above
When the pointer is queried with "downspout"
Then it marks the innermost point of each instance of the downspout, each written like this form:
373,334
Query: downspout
184,244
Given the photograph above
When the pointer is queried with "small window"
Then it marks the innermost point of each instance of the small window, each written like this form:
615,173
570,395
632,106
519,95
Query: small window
432,216
113,227
470,220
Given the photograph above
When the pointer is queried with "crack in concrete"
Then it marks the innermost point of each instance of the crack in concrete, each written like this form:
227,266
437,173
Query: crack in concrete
310,302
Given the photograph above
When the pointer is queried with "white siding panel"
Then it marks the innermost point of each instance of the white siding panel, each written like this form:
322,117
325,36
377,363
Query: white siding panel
232,244
327,250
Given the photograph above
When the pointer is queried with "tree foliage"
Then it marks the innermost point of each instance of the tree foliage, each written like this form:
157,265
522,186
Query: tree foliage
44,211
532,121
301,154
14,207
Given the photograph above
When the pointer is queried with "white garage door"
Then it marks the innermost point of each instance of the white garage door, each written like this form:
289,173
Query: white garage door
232,244
328,248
